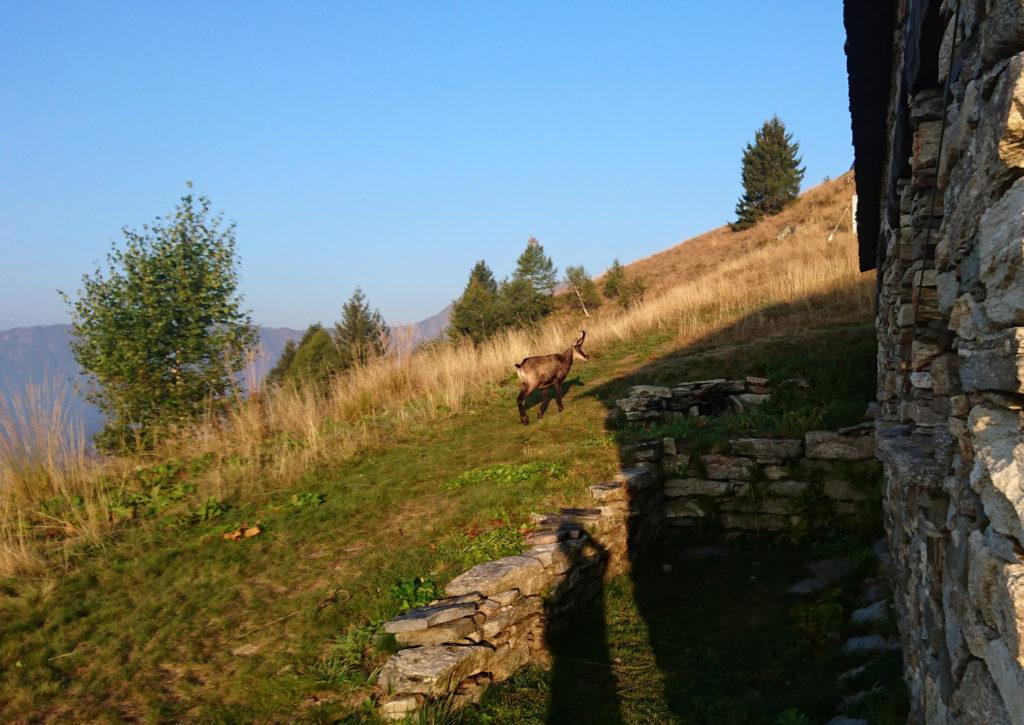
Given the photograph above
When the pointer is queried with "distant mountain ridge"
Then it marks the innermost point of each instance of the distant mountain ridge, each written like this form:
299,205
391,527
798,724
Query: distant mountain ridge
41,356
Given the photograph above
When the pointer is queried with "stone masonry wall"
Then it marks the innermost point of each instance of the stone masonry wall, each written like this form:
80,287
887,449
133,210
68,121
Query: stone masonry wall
495,616
771,484
950,322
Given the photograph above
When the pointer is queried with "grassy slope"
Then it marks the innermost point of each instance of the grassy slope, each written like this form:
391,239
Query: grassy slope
172,620
169,620
828,203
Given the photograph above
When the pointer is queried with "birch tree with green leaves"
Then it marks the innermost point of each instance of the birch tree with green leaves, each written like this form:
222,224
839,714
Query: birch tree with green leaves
160,333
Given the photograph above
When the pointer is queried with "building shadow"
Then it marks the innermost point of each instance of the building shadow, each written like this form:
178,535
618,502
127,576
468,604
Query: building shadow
583,687
587,683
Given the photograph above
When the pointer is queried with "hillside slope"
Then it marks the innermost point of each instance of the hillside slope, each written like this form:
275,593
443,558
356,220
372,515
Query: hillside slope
823,207
126,600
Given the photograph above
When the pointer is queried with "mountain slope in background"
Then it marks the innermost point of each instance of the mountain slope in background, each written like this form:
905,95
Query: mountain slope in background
431,328
41,356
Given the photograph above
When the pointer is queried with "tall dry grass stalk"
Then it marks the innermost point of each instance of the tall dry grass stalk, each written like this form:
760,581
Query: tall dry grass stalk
48,478
758,278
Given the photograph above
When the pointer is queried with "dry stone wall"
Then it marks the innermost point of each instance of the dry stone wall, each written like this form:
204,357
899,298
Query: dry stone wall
770,484
951,374
697,398
495,615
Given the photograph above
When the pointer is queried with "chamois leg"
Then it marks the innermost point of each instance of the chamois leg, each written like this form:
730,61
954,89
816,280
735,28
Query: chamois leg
545,399
558,395
521,402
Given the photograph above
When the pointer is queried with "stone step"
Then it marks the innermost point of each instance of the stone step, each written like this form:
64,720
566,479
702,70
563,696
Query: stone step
431,670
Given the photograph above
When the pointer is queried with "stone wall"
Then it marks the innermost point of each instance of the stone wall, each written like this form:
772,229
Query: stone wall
950,323
770,484
495,616
697,398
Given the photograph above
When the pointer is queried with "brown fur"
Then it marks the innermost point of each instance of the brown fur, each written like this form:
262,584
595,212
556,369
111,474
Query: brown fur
545,372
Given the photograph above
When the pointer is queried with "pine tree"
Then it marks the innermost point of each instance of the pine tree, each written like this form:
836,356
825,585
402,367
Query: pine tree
313,361
631,292
361,334
526,297
771,174
537,267
614,278
477,313
582,287
277,373
161,333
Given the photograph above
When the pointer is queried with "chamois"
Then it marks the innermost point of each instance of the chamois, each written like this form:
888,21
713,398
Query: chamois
545,371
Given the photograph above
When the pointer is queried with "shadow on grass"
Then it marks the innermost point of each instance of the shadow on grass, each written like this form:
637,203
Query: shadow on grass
705,634
537,396
703,628
581,678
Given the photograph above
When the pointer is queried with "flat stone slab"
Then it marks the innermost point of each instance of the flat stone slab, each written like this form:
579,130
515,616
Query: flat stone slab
871,613
397,708
636,478
753,398
829,445
725,468
768,447
432,670
675,487
513,572
450,631
869,643
787,488
614,491
424,617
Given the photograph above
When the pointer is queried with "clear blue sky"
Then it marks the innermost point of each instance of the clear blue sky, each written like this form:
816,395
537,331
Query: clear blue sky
391,145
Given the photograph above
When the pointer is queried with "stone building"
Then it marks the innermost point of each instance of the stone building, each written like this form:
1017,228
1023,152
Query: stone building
937,104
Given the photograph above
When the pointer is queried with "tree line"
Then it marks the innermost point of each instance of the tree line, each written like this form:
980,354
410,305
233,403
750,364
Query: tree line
487,306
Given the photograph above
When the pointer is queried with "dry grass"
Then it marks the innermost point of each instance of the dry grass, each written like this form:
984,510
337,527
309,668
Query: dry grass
711,282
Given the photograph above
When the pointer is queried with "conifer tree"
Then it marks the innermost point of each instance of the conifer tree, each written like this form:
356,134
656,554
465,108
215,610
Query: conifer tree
582,287
277,373
537,267
361,335
614,278
771,174
526,297
477,313
317,359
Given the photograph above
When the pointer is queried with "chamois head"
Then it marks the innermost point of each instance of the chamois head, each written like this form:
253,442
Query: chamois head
577,348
